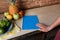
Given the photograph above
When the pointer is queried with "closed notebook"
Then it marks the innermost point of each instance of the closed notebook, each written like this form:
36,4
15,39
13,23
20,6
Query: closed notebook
29,22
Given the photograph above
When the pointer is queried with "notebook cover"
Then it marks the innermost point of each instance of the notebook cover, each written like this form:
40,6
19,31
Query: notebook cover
29,22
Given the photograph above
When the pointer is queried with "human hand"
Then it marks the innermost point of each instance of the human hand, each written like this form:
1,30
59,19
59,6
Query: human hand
43,27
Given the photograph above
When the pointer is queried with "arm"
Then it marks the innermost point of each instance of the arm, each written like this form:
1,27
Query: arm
45,28
55,24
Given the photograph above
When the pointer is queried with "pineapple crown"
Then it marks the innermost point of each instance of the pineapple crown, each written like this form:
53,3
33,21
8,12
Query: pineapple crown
12,1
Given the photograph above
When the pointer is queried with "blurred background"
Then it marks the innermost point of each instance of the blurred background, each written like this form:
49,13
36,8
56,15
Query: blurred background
25,4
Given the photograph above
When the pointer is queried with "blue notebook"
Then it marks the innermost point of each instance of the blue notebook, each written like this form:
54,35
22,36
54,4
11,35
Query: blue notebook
29,23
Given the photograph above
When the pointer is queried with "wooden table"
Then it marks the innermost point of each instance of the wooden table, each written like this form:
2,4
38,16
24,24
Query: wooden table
45,14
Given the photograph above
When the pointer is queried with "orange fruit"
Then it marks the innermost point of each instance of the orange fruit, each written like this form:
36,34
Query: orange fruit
21,13
12,7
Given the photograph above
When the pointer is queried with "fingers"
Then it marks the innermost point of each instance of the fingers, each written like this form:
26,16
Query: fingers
42,27
43,30
39,25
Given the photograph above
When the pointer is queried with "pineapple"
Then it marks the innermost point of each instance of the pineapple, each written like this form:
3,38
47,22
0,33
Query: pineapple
12,7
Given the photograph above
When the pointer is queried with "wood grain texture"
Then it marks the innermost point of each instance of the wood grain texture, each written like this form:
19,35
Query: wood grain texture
36,3
4,4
